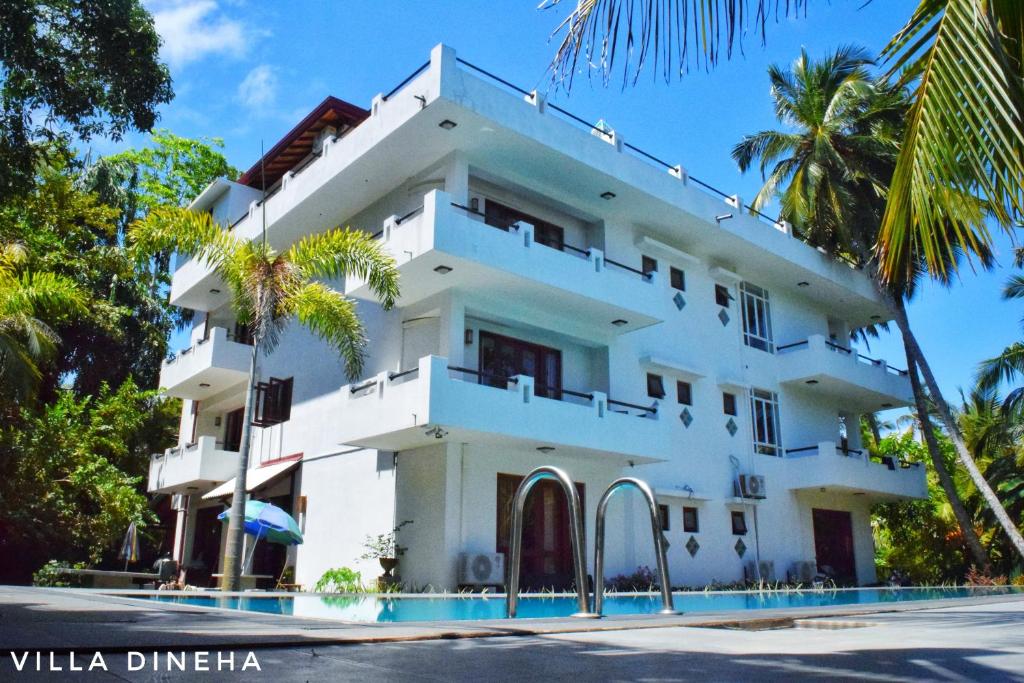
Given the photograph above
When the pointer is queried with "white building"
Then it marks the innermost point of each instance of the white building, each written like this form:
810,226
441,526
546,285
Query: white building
527,334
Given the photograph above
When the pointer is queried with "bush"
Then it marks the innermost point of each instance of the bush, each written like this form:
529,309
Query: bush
980,578
640,580
50,575
340,580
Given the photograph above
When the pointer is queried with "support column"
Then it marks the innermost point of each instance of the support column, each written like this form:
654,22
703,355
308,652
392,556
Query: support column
452,526
456,178
181,519
453,330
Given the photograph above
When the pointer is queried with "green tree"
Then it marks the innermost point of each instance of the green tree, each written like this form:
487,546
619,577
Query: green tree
269,290
70,475
88,68
831,167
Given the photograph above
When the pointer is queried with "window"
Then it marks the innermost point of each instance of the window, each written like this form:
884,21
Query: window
757,317
739,523
677,279
722,295
684,393
273,402
764,406
648,265
233,430
504,217
502,357
728,403
691,522
663,513
655,386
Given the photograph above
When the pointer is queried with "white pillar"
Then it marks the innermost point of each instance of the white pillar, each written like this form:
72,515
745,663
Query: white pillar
179,530
456,178
452,529
453,330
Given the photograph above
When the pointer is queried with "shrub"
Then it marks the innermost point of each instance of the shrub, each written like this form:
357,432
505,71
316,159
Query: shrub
640,580
340,580
980,578
50,574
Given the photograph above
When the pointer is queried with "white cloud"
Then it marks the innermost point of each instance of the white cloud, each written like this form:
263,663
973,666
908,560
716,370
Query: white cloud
259,87
194,29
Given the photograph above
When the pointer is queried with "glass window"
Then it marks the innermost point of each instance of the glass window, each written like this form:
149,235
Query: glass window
677,279
722,295
655,386
728,403
273,402
691,522
504,217
648,265
757,317
684,393
739,523
663,512
764,407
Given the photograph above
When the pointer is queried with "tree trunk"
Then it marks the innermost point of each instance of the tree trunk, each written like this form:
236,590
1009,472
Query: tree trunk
978,555
876,432
953,430
232,566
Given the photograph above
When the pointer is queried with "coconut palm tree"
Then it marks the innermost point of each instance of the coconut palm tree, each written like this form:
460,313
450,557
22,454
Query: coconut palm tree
830,169
268,291
25,339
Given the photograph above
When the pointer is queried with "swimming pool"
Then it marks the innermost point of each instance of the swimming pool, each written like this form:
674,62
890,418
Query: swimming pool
384,608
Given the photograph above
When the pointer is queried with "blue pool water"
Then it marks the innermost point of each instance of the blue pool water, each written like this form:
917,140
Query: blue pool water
373,608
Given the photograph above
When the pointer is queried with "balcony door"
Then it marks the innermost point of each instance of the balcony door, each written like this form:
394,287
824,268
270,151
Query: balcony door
547,548
833,544
233,430
504,217
502,357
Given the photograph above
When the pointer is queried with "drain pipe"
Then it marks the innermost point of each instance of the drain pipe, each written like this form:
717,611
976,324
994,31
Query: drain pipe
753,508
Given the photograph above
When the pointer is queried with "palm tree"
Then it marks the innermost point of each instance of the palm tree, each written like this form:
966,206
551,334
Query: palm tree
269,290
25,339
830,169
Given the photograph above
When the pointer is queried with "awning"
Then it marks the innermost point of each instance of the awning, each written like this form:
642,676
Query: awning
254,479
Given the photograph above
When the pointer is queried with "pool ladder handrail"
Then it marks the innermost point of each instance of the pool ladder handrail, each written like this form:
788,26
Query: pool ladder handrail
515,545
660,543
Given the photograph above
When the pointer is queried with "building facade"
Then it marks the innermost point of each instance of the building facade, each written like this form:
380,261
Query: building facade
565,300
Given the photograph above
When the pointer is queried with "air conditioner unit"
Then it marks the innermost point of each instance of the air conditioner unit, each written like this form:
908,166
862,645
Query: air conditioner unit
482,569
767,568
752,486
803,571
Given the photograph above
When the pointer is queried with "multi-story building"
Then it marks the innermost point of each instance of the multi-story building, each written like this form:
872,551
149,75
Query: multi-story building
565,301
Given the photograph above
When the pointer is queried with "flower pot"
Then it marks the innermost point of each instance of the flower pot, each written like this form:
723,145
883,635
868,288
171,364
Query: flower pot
388,563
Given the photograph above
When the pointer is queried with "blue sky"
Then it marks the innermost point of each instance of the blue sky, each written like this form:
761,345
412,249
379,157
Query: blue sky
246,71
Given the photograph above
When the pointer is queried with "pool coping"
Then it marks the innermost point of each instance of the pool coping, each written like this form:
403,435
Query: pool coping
188,628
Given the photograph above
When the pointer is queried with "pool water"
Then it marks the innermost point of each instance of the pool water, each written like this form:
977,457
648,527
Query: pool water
383,608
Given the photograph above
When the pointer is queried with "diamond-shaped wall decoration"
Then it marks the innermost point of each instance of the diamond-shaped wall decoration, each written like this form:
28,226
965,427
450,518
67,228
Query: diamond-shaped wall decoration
741,547
731,426
679,301
686,417
724,317
692,546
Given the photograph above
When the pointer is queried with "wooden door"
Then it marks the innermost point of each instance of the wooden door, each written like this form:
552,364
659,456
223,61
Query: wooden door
833,544
502,357
547,545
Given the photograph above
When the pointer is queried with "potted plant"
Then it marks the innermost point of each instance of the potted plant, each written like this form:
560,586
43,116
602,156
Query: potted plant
385,550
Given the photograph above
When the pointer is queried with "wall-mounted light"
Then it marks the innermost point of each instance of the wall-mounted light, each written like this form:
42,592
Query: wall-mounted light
722,217
803,283
620,322
447,124
607,195
216,421
469,336
443,270
436,432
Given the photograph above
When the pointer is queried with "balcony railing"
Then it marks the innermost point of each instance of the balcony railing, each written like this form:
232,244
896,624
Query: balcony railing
830,465
867,360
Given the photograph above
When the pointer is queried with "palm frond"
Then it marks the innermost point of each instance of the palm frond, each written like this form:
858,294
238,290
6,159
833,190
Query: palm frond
965,131
171,228
338,252
1005,367
332,317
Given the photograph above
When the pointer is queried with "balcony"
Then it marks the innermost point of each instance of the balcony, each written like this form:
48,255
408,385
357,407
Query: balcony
191,468
206,368
434,402
825,466
581,291
862,384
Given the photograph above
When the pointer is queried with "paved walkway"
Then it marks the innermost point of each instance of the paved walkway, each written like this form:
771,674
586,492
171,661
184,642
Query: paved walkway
966,640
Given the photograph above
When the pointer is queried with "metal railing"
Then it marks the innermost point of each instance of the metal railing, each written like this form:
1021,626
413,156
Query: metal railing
660,543
867,360
839,449
515,541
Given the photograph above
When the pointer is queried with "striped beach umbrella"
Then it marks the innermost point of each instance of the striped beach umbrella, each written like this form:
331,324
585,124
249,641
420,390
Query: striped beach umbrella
130,546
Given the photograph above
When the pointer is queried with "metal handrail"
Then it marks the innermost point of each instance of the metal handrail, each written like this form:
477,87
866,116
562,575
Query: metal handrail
515,542
483,375
408,78
660,544
646,409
